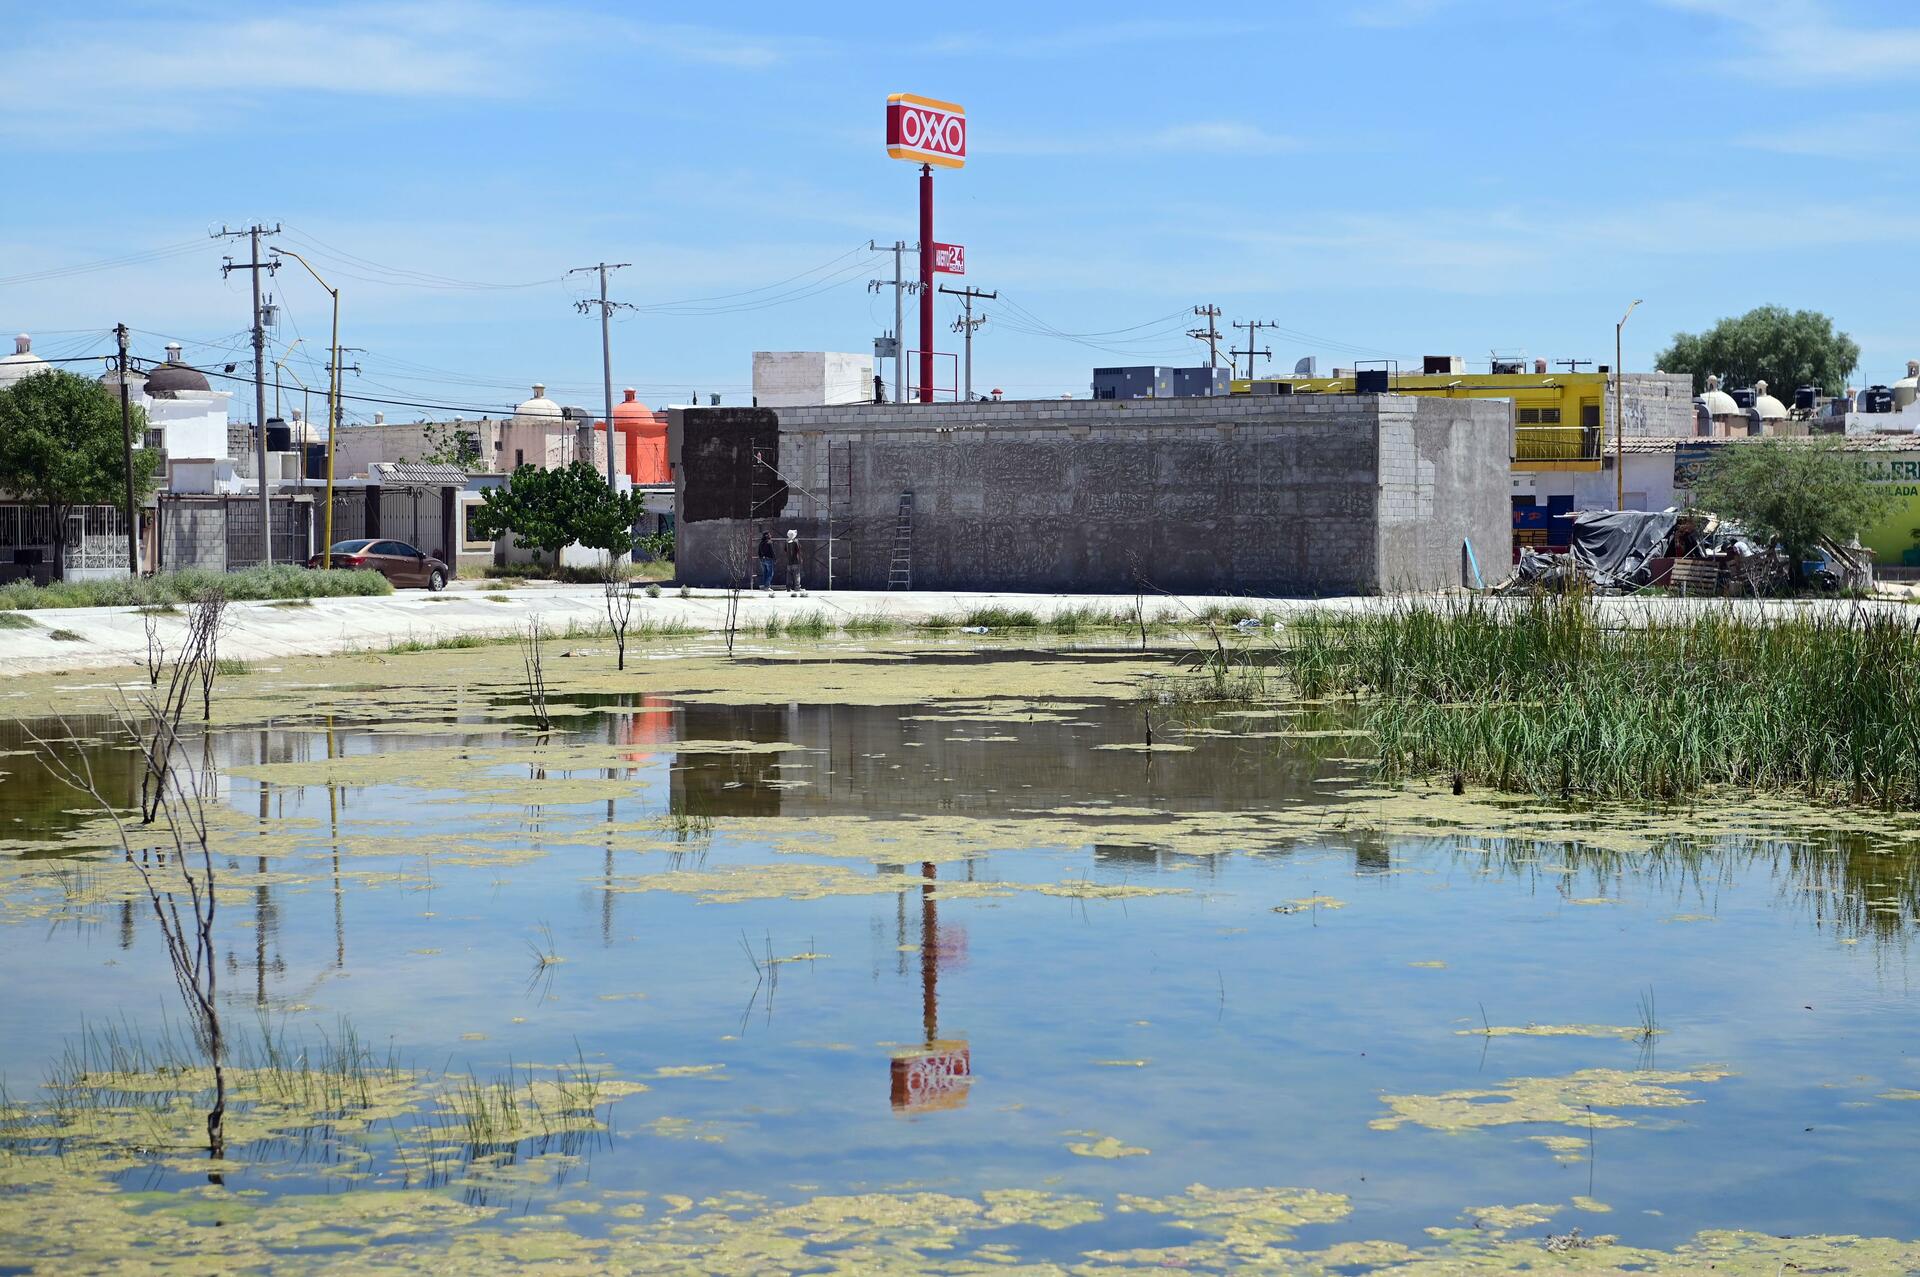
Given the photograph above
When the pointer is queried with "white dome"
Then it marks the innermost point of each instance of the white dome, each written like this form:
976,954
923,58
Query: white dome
21,363
538,411
1718,402
1769,408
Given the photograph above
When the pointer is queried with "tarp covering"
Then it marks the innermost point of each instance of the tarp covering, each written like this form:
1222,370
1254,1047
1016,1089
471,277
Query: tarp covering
1611,547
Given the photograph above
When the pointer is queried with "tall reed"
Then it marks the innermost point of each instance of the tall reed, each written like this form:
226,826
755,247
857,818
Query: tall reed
1546,697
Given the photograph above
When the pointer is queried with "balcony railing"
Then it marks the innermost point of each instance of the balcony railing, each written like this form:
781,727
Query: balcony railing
1556,443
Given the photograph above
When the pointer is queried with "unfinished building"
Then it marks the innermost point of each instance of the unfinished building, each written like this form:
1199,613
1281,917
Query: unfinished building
1322,495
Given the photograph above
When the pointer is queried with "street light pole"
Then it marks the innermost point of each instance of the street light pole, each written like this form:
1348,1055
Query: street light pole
1619,418
333,401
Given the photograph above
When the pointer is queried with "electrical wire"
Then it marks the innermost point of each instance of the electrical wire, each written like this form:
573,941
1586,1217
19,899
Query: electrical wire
401,276
105,263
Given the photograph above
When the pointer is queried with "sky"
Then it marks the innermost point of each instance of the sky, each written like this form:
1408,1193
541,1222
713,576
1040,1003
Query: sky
1382,179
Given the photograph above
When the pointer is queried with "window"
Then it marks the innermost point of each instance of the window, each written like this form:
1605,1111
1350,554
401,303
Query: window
155,439
519,457
1539,416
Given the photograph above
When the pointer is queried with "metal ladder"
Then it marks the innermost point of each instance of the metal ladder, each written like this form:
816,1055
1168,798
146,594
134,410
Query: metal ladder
900,570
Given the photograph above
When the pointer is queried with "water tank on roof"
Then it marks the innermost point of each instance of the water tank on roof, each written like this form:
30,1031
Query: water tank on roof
279,436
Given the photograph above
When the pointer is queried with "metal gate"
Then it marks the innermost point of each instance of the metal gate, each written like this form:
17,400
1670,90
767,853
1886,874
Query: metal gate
290,532
416,516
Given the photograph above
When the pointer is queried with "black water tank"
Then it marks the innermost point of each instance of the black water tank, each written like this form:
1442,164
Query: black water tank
279,437
1877,399
1370,381
316,461
1744,398
1806,398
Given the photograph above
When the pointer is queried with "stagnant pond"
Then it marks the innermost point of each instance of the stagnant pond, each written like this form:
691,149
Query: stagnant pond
924,960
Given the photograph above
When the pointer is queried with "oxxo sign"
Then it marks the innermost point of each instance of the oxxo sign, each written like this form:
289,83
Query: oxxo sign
926,131
950,259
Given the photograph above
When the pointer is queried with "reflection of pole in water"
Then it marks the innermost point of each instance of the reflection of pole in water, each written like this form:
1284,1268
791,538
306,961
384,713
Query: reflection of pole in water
333,829
937,1075
929,955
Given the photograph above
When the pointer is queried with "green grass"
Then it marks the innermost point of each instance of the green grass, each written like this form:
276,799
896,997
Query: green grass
1543,697
66,636
282,581
15,621
231,666
291,603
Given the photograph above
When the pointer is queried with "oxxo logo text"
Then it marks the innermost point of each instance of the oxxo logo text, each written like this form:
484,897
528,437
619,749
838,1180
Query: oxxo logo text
923,130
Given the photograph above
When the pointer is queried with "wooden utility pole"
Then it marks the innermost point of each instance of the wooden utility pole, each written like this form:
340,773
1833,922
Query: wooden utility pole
253,267
967,324
126,453
1210,334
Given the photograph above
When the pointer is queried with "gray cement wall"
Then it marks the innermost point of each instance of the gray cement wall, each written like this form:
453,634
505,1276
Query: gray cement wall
1654,404
1268,495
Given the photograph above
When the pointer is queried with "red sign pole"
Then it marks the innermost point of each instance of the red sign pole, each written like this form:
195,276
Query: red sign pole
926,283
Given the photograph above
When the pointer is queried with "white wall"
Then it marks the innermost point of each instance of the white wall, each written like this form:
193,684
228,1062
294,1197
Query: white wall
194,425
1649,484
809,378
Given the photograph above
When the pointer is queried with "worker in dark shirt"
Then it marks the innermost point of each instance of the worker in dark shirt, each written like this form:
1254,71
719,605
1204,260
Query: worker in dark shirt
793,562
766,562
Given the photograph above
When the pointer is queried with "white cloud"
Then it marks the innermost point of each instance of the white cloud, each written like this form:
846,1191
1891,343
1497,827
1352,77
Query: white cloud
1872,136
63,82
1806,42
1210,137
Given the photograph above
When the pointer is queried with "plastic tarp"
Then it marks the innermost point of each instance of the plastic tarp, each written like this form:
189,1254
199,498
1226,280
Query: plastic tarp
1611,547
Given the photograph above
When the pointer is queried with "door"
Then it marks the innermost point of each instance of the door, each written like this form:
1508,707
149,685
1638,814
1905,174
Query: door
400,563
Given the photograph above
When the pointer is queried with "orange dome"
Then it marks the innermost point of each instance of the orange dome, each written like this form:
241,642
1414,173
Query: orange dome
646,439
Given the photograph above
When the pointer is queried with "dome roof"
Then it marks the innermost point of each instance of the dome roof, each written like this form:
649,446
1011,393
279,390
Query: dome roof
174,377
538,411
1769,408
630,407
21,363
1717,401
1912,379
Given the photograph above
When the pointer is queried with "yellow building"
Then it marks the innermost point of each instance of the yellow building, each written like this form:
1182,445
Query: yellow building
1561,420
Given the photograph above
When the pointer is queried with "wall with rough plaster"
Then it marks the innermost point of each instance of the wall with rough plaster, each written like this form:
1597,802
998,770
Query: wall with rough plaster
1269,495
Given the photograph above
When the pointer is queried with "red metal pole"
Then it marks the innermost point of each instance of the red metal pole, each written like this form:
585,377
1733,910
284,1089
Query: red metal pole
926,283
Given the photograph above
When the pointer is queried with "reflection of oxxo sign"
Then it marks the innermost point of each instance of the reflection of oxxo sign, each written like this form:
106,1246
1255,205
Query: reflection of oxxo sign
926,131
934,1077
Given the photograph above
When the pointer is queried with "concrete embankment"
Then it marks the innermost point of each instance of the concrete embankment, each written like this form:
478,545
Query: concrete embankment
57,640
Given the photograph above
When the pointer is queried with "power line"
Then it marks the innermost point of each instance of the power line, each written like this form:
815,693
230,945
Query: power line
105,263
1253,330
1210,334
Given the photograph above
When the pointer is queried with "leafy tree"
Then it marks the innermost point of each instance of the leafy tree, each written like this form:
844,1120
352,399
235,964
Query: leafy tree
1793,492
552,509
449,445
1786,349
61,447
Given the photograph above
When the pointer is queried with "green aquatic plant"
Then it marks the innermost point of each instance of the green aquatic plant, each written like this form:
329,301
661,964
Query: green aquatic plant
1547,696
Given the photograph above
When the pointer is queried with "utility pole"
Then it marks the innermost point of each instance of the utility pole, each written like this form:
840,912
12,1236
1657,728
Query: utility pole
606,309
253,267
1210,334
901,287
1253,330
1573,365
968,323
126,453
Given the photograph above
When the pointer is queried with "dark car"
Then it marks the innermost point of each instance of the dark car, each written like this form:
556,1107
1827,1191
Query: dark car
399,562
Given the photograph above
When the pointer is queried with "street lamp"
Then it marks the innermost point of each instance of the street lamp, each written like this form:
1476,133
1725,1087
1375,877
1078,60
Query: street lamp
1619,419
333,397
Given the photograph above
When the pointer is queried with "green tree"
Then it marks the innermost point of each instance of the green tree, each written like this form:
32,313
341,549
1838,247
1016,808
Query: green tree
61,447
1786,349
552,509
1791,492
450,445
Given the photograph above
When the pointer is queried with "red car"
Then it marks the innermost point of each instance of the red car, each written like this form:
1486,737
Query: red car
399,562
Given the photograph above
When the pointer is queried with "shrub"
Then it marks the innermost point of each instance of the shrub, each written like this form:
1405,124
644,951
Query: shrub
282,581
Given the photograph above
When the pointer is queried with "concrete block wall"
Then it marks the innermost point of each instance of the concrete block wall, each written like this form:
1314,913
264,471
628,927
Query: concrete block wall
1302,495
193,534
1655,405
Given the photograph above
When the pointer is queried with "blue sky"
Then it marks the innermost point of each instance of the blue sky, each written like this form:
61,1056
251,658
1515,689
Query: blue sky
1380,177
